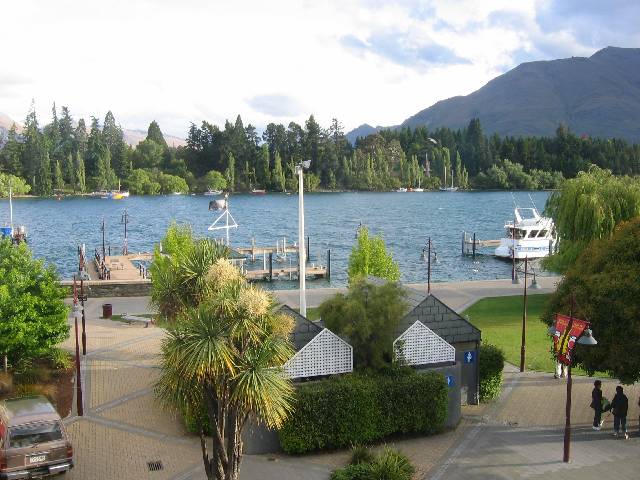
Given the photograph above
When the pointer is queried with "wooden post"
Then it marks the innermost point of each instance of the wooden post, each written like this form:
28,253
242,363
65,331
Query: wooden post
329,264
84,331
308,247
270,266
6,364
474,245
524,318
464,237
429,267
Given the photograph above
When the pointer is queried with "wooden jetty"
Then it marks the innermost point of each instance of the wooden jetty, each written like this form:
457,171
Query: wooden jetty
280,248
471,244
286,273
119,267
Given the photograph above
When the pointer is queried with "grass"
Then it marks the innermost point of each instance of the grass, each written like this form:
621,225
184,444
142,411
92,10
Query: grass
313,313
500,319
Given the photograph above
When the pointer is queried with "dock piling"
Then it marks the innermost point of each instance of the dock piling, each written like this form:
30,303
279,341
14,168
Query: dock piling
328,264
270,267
473,248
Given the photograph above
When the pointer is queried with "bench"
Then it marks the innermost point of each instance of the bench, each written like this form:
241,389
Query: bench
134,318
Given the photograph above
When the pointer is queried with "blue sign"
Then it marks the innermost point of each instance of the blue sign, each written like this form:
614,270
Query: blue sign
451,380
470,356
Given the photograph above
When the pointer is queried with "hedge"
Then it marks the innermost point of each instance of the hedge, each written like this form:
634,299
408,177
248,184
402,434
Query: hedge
491,366
359,409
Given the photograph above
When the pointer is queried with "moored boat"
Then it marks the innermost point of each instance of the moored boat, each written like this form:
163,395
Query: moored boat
528,235
212,193
257,191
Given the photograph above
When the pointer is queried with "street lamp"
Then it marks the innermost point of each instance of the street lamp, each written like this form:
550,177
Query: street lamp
302,257
427,249
75,311
585,337
535,286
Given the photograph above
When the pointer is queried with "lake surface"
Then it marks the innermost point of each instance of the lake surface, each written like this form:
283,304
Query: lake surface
405,220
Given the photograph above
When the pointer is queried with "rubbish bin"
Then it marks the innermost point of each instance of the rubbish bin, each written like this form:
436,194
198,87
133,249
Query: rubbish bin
107,310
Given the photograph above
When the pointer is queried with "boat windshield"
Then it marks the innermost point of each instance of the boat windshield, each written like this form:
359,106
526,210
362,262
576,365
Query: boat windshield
516,233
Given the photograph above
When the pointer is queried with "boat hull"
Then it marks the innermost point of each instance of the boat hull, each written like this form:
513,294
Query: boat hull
529,248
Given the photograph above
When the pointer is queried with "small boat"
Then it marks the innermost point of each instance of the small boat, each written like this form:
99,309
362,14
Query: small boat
528,235
15,234
212,193
401,190
177,193
257,191
418,189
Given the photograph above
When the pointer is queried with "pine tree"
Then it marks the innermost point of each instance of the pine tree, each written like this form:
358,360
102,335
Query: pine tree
80,180
65,125
69,171
11,154
42,176
80,139
154,133
58,180
230,172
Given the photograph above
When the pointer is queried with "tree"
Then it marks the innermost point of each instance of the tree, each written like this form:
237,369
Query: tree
58,179
230,172
33,316
172,184
226,356
11,153
148,154
17,184
369,257
589,207
214,180
155,135
140,182
80,175
368,316
179,277
277,177
604,283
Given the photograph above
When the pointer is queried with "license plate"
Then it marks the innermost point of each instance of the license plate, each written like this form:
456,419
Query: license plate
37,458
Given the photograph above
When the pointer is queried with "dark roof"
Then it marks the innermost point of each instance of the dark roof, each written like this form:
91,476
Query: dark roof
431,311
304,329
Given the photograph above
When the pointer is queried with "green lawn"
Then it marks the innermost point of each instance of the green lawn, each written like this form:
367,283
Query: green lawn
500,319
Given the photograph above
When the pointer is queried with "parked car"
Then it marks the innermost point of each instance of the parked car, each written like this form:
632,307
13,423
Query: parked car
33,440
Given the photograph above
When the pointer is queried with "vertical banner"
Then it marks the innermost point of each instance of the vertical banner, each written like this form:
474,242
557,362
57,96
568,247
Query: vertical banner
564,339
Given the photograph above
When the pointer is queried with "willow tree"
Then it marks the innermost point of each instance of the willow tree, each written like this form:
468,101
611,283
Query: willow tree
225,357
589,207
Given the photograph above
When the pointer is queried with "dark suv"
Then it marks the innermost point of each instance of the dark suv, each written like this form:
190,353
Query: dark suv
33,440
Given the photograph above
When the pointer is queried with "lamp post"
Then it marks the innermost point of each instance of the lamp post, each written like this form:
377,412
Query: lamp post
302,257
427,249
534,285
584,338
76,311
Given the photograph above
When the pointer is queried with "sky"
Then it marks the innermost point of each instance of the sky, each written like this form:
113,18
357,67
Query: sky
360,61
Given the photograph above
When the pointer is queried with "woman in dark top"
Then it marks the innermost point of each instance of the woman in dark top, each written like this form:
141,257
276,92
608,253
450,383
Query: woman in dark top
596,404
620,407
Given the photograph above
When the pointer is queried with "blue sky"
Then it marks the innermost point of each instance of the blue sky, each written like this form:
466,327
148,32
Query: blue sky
361,61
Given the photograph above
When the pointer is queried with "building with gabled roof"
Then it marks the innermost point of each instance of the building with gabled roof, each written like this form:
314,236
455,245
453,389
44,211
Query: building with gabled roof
319,351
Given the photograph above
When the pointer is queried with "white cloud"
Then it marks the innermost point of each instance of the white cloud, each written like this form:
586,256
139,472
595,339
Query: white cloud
193,60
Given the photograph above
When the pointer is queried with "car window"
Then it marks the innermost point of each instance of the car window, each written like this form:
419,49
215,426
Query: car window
33,433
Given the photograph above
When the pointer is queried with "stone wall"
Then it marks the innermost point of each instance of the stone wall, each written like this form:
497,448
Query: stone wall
113,288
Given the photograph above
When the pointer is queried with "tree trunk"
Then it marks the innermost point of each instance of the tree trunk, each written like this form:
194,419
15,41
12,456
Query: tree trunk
6,364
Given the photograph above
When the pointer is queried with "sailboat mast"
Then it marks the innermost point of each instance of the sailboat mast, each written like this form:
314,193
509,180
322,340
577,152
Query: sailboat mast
10,209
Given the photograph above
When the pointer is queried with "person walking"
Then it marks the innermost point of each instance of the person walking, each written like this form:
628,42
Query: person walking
596,404
620,407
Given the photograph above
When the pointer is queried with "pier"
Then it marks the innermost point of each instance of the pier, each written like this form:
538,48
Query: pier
471,244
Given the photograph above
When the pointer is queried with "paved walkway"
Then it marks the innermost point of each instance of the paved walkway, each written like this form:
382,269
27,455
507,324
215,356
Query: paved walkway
519,436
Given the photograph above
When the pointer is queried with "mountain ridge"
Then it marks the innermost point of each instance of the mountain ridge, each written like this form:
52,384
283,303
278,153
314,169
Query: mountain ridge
596,96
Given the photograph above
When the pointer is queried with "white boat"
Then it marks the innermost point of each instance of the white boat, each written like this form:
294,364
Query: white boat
419,189
15,234
529,235
212,193
451,188
401,190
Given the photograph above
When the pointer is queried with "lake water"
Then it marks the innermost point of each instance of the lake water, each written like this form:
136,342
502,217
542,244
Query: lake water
405,220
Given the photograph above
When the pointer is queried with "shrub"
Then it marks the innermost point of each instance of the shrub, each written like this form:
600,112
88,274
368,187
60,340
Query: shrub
491,366
389,465
359,409
59,359
360,454
27,390
6,383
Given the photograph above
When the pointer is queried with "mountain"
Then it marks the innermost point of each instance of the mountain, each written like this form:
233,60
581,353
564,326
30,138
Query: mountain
597,96
362,131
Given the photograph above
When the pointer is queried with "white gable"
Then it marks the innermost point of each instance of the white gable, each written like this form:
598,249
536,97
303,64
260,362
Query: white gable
419,345
325,354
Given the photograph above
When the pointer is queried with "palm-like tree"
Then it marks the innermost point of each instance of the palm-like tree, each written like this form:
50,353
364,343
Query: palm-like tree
226,355
179,279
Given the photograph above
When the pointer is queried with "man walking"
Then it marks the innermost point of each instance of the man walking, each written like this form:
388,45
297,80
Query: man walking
620,407
596,404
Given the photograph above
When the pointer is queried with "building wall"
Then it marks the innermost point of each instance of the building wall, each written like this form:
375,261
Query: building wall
454,410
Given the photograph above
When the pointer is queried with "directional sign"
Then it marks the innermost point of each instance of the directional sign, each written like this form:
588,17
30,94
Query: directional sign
451,380
470,356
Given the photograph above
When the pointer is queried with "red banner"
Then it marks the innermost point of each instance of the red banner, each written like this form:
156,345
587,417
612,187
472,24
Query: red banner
563,340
